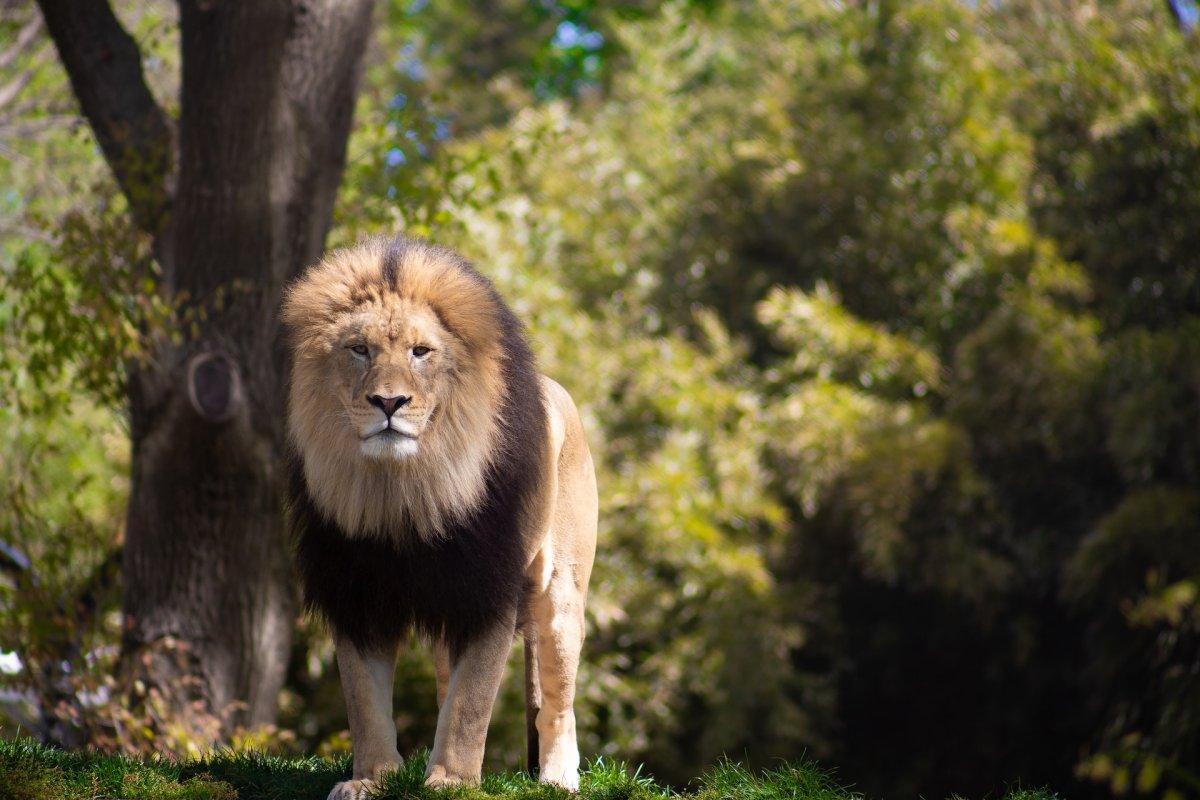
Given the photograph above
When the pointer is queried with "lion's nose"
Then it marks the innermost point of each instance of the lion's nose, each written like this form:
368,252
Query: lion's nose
388,405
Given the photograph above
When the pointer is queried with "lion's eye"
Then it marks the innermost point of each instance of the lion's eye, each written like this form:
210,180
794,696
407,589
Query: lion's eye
420,350
360,349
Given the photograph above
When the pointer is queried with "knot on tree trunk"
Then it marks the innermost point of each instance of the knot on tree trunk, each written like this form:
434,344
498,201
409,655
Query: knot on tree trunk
214,386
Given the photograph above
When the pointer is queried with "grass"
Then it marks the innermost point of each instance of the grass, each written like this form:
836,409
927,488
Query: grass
30,771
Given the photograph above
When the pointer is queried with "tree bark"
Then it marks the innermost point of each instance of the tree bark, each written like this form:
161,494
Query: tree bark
267,96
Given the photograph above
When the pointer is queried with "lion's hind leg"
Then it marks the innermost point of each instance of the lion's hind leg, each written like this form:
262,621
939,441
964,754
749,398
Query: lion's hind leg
559,577
559,618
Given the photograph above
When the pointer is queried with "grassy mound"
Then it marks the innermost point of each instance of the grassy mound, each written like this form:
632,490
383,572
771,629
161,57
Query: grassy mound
30,771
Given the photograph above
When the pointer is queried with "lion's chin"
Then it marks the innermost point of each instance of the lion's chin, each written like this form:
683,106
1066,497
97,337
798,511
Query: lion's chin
389,446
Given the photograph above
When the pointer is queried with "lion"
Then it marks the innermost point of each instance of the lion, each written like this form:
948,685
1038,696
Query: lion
439,484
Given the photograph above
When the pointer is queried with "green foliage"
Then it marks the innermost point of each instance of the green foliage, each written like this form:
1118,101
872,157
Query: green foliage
80,311
1114,112
821,335
1136,575
1154,409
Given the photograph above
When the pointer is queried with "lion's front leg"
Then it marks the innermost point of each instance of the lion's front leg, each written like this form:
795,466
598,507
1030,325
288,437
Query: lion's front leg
367,686
457,755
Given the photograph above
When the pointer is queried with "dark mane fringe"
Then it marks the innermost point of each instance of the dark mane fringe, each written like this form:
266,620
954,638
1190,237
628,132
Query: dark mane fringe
391,259
374,591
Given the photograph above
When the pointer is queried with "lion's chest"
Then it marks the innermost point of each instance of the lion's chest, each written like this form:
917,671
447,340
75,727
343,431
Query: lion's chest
374,591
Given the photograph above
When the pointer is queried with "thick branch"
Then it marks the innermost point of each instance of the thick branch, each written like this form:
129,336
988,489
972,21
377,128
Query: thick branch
105,68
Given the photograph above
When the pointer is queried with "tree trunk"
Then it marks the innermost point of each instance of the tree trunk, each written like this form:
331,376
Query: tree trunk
266,102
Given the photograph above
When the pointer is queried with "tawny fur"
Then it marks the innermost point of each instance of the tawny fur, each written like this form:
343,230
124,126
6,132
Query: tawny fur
444,479
455,397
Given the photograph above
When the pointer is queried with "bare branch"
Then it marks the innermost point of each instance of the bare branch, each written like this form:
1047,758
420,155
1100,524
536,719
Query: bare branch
26,36
10,90
105,68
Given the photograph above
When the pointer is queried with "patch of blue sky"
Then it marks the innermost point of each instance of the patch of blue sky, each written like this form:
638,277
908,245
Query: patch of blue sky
571,34
1187,12
414,68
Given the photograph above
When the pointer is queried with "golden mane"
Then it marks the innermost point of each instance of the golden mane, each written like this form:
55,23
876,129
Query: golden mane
446,479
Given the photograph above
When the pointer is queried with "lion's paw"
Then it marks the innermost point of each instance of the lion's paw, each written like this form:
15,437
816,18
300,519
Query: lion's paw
565,778
440,778
360,789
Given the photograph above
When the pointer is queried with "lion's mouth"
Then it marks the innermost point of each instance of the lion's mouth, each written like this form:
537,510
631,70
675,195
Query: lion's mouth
389,433
390,443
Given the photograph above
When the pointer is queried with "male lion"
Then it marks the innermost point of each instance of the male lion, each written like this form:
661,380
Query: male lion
439,484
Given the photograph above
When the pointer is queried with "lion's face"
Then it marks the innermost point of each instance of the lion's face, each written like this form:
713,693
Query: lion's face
396,384
391,366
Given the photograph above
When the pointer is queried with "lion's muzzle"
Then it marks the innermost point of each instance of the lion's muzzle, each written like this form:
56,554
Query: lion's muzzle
388,405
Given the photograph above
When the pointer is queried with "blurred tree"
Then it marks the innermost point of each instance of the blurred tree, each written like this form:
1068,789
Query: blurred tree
1117,171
